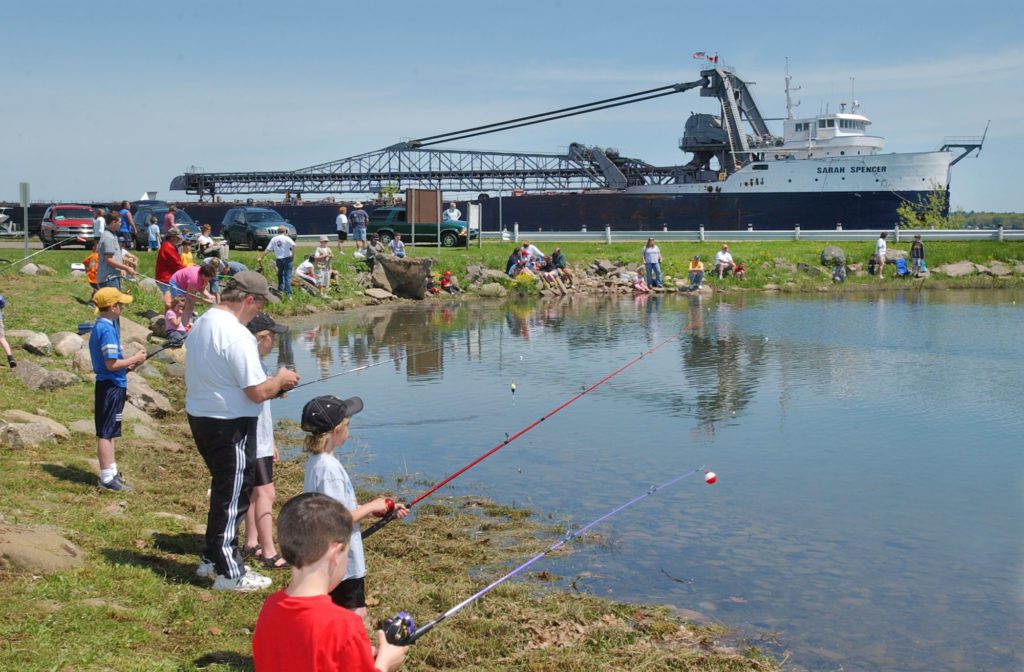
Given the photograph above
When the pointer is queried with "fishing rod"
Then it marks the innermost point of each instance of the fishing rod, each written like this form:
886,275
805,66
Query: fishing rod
367,366
402,631
80,240
509,439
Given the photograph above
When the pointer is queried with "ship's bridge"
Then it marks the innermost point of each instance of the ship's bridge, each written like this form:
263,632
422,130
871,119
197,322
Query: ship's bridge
836,134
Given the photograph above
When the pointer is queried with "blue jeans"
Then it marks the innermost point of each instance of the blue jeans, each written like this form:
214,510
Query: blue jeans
284,276
653,273
696,278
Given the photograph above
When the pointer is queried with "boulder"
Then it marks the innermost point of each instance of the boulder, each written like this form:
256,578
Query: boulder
83,427
133,331
15,415
604,267
158,326
784,264
149,371
832,255
134,414
494,275
66,343
38,378
82,360
957,269
29,269
379,294
38,344
1018,267
379,278
175,370
808,269
37,551
143,397
998,269
892,254
149,285
407,276
132,348
22,435
20,333
493,289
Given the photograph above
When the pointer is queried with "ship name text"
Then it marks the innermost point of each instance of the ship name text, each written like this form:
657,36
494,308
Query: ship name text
839,170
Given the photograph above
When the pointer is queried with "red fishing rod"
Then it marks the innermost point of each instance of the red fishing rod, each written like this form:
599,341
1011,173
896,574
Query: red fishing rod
509,439
402,631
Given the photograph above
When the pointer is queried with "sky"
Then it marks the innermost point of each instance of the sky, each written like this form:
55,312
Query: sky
103,100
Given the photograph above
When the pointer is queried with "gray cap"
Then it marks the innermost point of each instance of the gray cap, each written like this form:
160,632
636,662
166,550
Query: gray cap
251,282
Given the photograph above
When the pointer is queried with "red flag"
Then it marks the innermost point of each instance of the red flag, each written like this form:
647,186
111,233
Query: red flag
713,59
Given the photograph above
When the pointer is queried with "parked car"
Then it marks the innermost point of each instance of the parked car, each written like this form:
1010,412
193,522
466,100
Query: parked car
143,209
253,227
69,223
389,220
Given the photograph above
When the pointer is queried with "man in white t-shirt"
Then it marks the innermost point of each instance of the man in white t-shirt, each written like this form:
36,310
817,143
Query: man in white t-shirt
99,223
452,214
723,262
880,250
341,222
283,248
225,386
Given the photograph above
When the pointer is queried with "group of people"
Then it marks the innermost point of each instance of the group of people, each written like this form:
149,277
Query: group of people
354,224
651,255
528,261
877,261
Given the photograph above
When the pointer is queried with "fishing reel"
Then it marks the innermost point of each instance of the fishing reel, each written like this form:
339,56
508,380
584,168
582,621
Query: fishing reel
391,509
400,630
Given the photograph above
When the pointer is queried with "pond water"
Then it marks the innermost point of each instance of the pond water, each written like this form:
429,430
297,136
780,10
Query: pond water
868,513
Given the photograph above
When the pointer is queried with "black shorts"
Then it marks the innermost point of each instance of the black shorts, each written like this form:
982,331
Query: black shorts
108,405
350,594
343,235
264,471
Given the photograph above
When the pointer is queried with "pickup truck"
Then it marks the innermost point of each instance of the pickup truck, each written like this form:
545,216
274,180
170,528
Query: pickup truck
389,220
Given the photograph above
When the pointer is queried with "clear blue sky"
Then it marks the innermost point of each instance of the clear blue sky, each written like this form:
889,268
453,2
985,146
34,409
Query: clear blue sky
103,100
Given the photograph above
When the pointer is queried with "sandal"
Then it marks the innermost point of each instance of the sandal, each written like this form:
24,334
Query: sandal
251,551
272,563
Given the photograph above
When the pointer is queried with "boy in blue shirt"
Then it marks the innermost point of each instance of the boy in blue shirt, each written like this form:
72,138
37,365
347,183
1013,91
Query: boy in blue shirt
111,368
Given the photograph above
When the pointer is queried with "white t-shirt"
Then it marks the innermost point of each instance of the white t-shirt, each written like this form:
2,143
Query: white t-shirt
723,256
324,474
221,361
264,432
652,255
282,246
452,215
203,241
98,226
880,248
306,269
341,221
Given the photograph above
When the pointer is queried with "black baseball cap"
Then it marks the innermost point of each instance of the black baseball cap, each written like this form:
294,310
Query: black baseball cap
323,414
264,322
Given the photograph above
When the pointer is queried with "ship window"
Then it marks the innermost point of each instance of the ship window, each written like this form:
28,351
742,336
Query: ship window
760,166
842,153
821,123
831,123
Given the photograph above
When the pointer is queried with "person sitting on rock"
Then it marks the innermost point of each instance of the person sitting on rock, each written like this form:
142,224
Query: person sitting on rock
558,259
450,283
739,271
397,246
723,262
305,275
640,285
548,272
373,249
696,273
839,271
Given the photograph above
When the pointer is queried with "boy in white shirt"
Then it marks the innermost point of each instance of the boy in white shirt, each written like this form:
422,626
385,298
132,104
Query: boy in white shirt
397,246
283,248
323,256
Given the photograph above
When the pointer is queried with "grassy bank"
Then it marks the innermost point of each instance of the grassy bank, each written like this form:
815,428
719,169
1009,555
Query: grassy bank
135,603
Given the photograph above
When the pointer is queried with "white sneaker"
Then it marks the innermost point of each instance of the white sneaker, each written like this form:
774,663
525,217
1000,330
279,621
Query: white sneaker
249,582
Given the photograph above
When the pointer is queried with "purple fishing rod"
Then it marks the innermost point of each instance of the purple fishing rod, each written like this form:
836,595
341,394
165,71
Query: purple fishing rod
402,631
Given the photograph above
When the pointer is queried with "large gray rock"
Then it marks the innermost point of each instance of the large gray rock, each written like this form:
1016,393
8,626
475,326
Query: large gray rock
158,326
83,427
133,331
144,397
24,435
29,269
809,270
998,269
831,255
175,370
82,361
38,344
379,294
494,275
38,378
66,343
149,285
604,267
892,254
379,278
15,415
37,551
956,270
493,289
132,414
407,275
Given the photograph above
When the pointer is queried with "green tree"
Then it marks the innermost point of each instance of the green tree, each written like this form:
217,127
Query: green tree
930,212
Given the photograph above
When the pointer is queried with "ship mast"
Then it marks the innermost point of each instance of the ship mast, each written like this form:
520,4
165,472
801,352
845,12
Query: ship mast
789,101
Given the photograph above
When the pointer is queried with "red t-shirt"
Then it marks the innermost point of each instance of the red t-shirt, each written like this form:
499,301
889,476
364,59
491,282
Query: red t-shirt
309,634
167,262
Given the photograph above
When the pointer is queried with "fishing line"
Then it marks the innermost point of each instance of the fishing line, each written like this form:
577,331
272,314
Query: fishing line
80,240
402,631
509,439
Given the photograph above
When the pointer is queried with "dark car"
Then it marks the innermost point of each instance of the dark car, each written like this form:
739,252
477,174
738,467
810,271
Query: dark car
388,221
67,225
144,209
253,227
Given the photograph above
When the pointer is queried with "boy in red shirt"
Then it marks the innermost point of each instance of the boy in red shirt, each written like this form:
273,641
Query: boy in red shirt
300,628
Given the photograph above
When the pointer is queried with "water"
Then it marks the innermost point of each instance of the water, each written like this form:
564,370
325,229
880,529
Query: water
869,504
